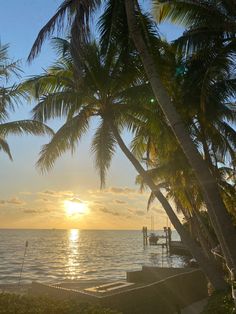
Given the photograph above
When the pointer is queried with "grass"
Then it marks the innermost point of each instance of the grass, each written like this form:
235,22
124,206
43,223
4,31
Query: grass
18,304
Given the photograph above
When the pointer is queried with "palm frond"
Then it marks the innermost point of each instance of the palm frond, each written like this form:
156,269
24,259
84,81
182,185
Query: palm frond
5,148
7,66
150,201
113,26
103,147
24,127
56,105
186,12
56,22
73,13
66,138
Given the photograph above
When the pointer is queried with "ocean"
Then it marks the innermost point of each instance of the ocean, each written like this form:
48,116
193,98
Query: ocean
59,255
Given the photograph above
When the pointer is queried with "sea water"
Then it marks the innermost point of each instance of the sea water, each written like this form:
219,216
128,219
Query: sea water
59,255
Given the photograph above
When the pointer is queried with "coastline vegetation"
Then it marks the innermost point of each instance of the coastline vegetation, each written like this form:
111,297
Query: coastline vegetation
177,106
10,97
220,303
177,100
23,304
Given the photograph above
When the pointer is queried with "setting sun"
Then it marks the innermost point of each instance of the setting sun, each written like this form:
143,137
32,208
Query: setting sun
75,207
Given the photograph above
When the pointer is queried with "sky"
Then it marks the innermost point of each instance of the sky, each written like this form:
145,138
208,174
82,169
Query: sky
69,195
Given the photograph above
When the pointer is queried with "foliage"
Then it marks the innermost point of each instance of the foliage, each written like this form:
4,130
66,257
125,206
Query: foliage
204,220
10,97
105,92
220,303
18,304
106,86
72,14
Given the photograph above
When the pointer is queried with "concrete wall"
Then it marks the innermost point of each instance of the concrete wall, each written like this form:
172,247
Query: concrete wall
162,297
39,289
151,274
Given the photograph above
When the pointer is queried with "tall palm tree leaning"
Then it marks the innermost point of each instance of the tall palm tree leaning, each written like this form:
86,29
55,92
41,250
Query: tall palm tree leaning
217,211
78,17
104,91
9,96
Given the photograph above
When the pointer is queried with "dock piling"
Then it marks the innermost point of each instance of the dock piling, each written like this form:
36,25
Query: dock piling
145,236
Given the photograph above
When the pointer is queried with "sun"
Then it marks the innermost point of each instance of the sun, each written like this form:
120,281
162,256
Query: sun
75,207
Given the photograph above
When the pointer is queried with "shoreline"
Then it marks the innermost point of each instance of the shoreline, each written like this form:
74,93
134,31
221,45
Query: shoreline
23,289
15,288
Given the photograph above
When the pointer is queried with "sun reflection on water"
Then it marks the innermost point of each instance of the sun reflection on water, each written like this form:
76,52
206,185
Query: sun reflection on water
73,235
73,253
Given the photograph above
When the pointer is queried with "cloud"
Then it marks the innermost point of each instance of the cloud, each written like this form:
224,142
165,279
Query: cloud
118,190
158,210
109,211
26,193
120,202
59,194
98,202
140,212
76,200
49,192
30,211
36,211
15,201
137,212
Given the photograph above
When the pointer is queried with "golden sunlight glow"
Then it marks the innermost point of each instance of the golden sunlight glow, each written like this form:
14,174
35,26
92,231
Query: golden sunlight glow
73,253
73,235
75,208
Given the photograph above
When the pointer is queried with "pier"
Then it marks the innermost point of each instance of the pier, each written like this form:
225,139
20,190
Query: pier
171,247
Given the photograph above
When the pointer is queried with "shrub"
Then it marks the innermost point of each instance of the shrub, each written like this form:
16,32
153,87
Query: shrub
220,303
18,304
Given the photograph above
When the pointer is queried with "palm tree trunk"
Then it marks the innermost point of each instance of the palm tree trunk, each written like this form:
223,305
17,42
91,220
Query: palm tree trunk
212,242
218,213
195,211
210,269
200,236
195,229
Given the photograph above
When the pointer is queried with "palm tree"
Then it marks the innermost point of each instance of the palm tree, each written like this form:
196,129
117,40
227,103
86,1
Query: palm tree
207,264
78,15
217,144
208,49
9,96
219,216
108,90
139,34
208,24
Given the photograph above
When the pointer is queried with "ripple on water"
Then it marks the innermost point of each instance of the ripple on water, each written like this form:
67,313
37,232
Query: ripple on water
56,255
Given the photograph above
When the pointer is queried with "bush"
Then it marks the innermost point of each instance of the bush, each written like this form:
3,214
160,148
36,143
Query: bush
18,304
220,303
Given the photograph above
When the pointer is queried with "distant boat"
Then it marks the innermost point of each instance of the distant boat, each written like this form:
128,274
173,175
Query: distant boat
153,239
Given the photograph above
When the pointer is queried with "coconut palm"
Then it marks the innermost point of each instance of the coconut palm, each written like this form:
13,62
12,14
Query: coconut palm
212,198
107,90
138,33
201,99
208,24
207,117
9,97
208,47
72,14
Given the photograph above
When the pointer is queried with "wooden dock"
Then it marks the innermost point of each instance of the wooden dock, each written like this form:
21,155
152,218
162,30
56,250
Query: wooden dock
172,247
